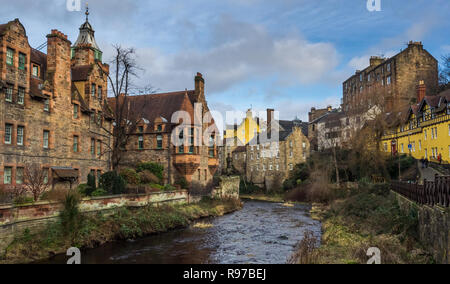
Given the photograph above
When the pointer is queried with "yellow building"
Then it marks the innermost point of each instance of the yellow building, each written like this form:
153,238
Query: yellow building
423,131
244,132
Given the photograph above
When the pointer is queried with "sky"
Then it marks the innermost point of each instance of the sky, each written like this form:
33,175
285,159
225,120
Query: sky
289,55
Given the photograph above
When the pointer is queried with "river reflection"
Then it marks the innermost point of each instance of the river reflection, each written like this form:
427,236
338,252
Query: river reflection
260,233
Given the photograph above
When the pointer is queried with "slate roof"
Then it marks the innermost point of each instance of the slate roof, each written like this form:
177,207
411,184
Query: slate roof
164,105
285,129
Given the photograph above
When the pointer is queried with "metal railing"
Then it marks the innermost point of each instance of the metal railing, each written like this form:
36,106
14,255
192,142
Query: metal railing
431,193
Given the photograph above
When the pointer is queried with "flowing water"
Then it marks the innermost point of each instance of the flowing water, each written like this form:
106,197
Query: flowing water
260,233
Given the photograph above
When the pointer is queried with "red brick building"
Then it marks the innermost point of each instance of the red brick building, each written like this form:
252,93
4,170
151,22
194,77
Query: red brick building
51,105
195,160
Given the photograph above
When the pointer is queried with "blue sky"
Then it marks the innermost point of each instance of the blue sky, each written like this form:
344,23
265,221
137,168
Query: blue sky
287,54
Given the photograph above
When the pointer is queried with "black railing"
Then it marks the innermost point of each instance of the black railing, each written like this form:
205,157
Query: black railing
431,193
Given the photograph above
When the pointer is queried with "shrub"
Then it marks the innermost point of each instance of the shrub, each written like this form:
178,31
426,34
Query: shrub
130,176
182,182
169,187
112,183
147,177
157,186
248,188
392,164
91,181
70,216
156,169
23,200
99,192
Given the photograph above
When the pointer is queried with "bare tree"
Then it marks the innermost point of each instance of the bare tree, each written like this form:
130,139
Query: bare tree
126,115
444,73
35,180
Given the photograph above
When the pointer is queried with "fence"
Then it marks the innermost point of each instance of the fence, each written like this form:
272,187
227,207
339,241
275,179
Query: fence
431,193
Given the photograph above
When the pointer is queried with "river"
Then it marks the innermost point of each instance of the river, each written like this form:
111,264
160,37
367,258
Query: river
260,233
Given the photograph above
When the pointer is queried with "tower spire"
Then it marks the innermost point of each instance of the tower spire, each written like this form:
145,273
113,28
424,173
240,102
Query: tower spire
87,12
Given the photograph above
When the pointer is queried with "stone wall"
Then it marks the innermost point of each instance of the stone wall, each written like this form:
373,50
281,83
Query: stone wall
15,219
228,188
434,227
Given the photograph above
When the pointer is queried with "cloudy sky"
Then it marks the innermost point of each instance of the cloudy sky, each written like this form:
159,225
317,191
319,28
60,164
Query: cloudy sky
286,54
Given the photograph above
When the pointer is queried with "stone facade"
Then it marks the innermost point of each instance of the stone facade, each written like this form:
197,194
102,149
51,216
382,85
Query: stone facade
269,163
195,160
391,82
51,106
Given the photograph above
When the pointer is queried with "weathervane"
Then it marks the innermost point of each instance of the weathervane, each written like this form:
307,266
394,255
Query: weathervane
87,11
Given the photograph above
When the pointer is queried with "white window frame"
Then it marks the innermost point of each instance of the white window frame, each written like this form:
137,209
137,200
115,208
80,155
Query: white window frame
20,135
7,175
8,133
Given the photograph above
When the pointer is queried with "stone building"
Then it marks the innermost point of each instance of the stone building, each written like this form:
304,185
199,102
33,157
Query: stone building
196,160
390,83
269,162
237,136
51,106
315,115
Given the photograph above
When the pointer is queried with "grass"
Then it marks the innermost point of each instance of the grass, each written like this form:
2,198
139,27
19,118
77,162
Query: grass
366,219
95,230
279,198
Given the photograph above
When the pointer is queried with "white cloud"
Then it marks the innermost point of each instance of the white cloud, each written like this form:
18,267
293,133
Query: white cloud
238,52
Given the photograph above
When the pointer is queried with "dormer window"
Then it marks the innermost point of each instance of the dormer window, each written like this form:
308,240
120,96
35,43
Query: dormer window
35,71
448,108
159,128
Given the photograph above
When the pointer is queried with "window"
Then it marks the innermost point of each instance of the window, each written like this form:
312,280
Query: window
9,56
435,133
388,80
385,147
277,167
291,154
75,111
93,90
20,135
211,146
420,145
368,78
304,145
75,144
7,175
92,146
8,133
46,139
47,105
159,142
360,77
141,142
159,128
19,176
402,149
99,175
45,175
35,71
181,147
388,67
270,167
22,61
100,93
9,93
425,134
21,96
99,147
141,129
291,167
99,118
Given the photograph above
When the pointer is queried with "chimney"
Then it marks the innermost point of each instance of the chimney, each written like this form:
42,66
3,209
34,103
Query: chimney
421,91
329,108
200,88
249,113
58,62
270,118
376,60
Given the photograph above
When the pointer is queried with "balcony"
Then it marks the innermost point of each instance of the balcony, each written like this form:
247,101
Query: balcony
186,164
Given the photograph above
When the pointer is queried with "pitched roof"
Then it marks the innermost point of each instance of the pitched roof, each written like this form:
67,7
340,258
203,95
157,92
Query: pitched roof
239,149
81,72
162,105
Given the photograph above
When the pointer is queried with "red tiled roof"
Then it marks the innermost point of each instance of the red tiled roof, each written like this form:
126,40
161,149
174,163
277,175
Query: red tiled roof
162,105
81,73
